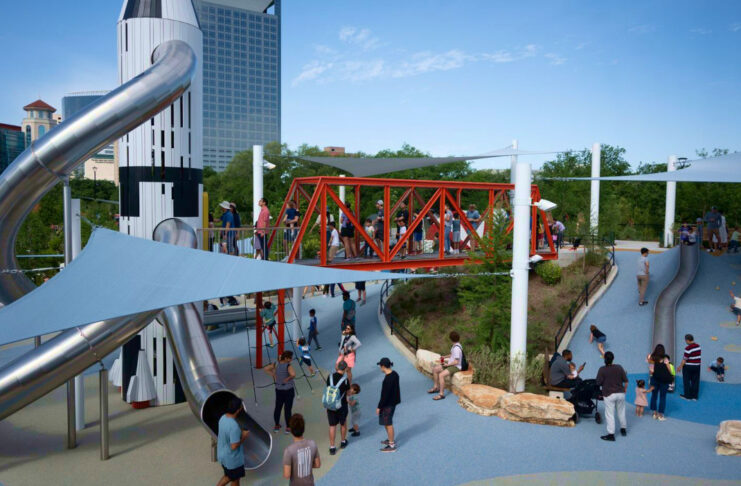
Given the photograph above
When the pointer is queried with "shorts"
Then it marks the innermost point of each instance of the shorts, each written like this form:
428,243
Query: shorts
355,417
233,474
452,370
270,325
736,311
386,417
336,417
456,236
306,361
347,232
602,339
418,236
359,285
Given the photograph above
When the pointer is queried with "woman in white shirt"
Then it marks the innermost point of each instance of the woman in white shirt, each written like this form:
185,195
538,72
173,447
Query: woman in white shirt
334,241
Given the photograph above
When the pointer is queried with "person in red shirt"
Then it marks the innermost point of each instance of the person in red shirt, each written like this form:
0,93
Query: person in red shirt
261,226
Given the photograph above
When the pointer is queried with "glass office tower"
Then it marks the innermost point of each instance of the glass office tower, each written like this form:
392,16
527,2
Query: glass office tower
241,76
12,143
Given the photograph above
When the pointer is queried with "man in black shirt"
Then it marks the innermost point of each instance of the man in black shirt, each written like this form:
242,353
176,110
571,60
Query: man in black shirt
390,398
335,417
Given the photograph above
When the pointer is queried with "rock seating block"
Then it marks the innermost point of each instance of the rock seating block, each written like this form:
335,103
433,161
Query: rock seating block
536,409
480,399
426,360
729,438
461,379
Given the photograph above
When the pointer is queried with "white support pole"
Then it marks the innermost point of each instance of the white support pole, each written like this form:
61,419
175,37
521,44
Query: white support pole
342,198
671,200
296,301
513,162
67,208
75,250
256,181
594,204
519,273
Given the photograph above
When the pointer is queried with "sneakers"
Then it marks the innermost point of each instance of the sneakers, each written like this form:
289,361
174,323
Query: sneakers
660,418
683,397
389,448
287,431
355,433
343,444
332,451
608,437
623,432
276,428
318,348
385,442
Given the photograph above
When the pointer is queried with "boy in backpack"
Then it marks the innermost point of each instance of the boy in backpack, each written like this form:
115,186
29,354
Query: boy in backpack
450,365
335,401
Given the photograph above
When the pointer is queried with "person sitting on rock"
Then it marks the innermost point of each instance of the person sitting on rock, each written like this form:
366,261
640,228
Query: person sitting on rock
561,371
449,365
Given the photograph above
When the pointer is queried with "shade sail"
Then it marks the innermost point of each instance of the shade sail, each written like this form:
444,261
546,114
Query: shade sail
725,168
118,275
367,166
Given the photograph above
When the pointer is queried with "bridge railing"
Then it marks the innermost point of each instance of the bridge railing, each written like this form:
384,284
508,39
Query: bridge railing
245,241
395,326
599,279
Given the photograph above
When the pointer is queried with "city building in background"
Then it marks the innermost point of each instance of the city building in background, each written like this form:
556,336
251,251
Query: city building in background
335,150
38,121
104,164
12,143
241,76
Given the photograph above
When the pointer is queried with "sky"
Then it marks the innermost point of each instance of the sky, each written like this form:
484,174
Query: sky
451,78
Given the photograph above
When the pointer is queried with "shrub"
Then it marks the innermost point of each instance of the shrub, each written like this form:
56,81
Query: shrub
492,368
595,258
550,272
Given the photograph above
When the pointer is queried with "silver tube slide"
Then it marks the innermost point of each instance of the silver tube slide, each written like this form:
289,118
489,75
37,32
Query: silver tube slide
46,162
666,305
196,364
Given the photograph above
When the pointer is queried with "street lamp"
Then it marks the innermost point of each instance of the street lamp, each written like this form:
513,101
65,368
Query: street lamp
95,182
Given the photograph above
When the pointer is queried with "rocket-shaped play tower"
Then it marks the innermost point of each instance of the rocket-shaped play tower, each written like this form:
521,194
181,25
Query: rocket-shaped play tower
161,161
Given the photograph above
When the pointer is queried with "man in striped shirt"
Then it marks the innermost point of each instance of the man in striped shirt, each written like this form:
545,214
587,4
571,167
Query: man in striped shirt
690,368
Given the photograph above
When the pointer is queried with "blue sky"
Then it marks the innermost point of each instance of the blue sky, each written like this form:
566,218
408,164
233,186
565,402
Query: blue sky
448,77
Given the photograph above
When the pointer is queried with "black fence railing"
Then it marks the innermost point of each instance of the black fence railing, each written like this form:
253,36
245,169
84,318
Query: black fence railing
599,279
396,327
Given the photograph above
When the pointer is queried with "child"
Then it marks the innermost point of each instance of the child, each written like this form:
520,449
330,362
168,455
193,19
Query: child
692,236
641,393
334,241
371,232
670,389
719,368
736,307
306,355
402,232
455,238
684,233
599,336
574,373
354,408
418,234
268,320
313,332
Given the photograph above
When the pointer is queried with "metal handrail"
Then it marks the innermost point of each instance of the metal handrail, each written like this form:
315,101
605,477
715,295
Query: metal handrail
598,279
393,323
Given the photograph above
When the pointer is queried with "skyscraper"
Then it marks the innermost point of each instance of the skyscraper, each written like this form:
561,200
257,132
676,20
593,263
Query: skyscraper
241,76
12,143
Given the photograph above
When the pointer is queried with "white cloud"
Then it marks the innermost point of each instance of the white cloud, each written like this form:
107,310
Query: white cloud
425,62
642,29
311,71
359,37
581,46
555,59
701,31
735,27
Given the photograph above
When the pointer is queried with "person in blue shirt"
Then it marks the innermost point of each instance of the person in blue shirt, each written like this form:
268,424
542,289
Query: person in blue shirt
268,321
229,444
227,222
313,331
348,311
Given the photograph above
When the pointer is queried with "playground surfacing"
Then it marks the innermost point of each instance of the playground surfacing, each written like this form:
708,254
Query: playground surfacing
439,442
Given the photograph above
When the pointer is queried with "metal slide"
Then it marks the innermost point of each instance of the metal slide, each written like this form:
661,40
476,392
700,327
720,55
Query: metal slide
666,304
53,158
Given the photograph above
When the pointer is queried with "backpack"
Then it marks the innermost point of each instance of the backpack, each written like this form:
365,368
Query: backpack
332,398
464,361
662,373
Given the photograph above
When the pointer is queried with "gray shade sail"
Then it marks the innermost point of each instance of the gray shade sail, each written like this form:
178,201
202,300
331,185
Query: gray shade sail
367,166
725,168
119,275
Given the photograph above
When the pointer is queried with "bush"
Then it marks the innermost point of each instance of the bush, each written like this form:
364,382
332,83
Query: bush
550,272
595,258
492,368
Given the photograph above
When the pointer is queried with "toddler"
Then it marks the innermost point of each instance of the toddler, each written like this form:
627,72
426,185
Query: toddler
599,336
669,365
641,393
719,368
574,372
371,232
313,331
354,408
306,355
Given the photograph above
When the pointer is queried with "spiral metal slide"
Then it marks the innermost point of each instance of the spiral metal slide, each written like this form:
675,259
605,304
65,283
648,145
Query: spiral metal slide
666,304
53,158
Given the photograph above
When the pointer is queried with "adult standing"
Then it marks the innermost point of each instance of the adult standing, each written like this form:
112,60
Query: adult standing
723,230
237,224
339,416
347,233
378,223
661,378
448,220
690,368
712,218
227,224
558,229
301,456
614,382
474,218
390,398
263,221
283,374
348,311
290,220
229,444
642,276
402,218
348,345
450,365
362,295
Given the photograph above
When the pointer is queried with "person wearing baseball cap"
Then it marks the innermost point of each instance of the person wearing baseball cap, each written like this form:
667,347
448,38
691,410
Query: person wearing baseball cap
378,223
227,222
390,398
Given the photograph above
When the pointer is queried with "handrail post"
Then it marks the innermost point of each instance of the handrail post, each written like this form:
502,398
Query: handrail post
586,295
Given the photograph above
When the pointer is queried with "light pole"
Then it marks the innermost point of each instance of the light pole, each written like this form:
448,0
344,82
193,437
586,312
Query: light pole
95,182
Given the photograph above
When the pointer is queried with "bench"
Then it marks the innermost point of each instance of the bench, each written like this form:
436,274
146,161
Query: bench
553,391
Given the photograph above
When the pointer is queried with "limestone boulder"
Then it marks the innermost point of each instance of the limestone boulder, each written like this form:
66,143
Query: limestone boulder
729,438
536,409
480,399
461,379
426,360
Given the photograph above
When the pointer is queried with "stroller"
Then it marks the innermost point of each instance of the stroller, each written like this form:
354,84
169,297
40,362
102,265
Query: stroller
584,397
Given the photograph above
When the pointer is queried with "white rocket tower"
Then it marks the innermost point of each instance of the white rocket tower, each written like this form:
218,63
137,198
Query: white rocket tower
161,161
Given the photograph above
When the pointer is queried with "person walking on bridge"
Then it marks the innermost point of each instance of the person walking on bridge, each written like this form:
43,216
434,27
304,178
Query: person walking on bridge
642,276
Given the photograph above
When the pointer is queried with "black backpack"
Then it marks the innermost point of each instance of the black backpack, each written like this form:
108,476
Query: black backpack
662,373
464,361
